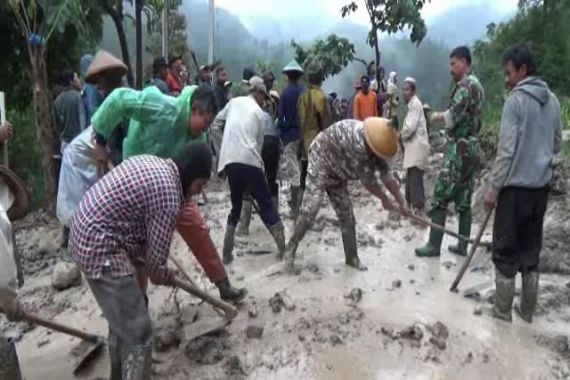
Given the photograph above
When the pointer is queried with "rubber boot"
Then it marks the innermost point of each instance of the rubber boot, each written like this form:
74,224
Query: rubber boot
529,296
228,292
298,203
278,232
293,201
350,247
9,364
137,362
275,202
433,247
228,256
244,219
114,344
465,230
505,292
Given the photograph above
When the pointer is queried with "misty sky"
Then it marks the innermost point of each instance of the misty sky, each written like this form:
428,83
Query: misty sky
287,11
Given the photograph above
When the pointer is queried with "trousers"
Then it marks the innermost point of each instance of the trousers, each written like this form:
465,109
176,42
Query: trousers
518,229
196,234
415,195
246,178
270,154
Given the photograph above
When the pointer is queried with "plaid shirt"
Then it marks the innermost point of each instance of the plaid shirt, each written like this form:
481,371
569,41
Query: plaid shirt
128,217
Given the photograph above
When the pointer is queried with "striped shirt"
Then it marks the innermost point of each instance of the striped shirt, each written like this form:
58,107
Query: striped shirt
128,216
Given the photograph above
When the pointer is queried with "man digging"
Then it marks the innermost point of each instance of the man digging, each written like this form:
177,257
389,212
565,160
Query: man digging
121,232
348,150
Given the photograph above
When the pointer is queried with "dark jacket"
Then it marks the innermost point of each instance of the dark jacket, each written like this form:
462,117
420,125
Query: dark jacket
221,97
288,117
69,114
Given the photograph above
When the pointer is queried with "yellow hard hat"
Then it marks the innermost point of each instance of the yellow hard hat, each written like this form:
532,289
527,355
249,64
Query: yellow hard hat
381,137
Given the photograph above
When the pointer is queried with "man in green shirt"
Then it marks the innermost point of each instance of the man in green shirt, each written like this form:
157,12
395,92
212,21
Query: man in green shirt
161,125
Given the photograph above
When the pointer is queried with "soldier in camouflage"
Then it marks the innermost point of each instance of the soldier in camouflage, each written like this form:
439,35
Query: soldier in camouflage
348,150
461,155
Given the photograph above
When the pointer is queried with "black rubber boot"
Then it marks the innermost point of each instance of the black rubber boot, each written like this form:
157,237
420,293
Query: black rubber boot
228,256
505,292
350,247
228,292
465,230
293,201
433,247
137,362
529,296
275,202
9,364
278,233
115,361
244,219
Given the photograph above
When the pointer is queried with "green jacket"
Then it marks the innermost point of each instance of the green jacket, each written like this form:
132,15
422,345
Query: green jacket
158,123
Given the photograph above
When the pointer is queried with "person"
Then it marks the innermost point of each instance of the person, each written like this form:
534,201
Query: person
379,87
243,88
350,106
348,150
414,136
314,116
123,227
160,75
461,154
92,97
529,137
391,106
173,78
220,89
69,109
14,203
289,129
162,126
365,102
343,108
240,159
271,106
78,173
204,77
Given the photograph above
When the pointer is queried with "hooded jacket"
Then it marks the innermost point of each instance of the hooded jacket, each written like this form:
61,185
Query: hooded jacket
530,136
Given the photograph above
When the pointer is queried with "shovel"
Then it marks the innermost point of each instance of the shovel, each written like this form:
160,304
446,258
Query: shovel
93,343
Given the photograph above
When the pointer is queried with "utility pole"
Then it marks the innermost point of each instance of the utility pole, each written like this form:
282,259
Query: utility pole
165,30
139,4
211,31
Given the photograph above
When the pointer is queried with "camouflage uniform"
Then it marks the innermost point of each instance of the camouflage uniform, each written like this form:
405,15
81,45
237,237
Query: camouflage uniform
337,155
461,154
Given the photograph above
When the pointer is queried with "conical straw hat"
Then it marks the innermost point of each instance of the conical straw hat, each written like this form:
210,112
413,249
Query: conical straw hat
104,62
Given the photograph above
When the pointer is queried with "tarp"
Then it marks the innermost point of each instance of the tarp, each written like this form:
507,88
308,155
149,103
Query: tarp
78,173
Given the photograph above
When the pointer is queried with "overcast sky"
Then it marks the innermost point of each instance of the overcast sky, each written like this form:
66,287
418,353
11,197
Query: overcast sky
290,10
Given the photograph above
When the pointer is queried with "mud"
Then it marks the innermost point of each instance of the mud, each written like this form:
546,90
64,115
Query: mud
396,321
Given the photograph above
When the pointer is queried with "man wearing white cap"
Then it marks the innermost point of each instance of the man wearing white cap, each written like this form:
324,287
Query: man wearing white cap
240,158
346,151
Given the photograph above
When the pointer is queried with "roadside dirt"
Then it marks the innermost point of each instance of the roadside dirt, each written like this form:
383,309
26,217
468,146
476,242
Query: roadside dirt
396,321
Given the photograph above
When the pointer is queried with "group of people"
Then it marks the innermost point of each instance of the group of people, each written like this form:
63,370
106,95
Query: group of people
122,203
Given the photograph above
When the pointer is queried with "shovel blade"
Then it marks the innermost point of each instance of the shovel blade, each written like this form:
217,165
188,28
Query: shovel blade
86,352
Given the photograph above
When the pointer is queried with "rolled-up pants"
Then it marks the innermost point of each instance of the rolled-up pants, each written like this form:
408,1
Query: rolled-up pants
193,229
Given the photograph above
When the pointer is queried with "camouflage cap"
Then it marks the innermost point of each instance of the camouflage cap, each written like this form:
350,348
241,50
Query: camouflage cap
293,66
314,68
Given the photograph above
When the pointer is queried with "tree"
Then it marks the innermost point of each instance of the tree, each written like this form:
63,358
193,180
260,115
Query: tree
177,26
38,21
391,16
334,53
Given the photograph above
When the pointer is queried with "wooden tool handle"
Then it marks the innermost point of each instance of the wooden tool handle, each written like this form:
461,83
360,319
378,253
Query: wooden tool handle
61,328
229,310
471,253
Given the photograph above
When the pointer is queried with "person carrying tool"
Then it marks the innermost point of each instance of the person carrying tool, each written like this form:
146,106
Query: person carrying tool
461,154
415,140
314,116
123,227
348,150
162,125
530,136
240,158
288,124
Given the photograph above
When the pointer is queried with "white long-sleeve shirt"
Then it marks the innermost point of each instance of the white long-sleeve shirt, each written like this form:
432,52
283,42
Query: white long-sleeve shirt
415,136
243,132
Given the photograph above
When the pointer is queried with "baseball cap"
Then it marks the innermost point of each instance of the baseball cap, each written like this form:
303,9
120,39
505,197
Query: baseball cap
256,83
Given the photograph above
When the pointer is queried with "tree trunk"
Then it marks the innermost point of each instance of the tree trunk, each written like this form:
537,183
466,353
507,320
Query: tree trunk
118,21
44,125
138,20
377,57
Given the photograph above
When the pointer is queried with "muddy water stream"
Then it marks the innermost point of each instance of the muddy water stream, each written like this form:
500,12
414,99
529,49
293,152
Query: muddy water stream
325,336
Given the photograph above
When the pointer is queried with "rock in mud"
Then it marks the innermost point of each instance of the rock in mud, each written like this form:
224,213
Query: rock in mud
166,339
65,275
287,301
355,295
281,300
252,312
411,267
355,314
440,333
396,284
254,332
234,367
335,339
389,332
380,226
414,332
312,267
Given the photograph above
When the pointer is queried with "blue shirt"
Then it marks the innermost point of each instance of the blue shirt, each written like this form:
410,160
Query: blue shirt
288,119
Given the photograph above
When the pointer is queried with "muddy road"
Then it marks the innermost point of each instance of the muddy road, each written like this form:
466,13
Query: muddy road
396,321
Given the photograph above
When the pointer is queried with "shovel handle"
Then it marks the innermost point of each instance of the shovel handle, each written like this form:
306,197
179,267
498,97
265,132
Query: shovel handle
229,310
61,328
